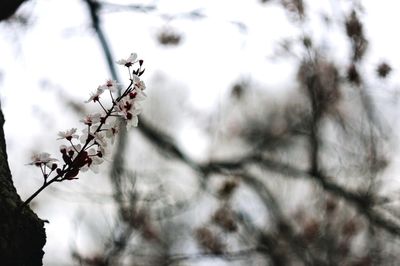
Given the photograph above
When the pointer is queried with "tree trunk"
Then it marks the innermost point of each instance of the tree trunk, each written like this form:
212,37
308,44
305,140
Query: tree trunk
22,234
8,7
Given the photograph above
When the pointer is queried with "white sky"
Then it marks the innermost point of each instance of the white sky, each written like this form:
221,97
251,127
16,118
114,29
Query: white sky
59,47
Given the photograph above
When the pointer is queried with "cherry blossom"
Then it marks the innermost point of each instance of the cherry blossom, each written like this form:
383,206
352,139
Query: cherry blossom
95,96
97,138
138,83
86,136
72,149
112,130
68,135
111,85
100,139
43,158
132,120
137,95
129,110
101,129
93,161
129,61
91,119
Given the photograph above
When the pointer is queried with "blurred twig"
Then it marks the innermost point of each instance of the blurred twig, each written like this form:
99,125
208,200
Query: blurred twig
363,202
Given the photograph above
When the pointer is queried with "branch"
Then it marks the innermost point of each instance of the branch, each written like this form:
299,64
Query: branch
132,7
8,8
94,8
362,201
233,255
284,226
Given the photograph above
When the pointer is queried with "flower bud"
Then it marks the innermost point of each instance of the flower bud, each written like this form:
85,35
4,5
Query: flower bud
71,174
63,149
132,94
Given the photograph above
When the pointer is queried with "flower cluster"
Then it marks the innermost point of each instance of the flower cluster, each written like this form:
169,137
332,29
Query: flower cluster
87,150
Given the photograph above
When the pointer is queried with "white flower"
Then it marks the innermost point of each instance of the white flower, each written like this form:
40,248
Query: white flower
129,61
85,136
100,139
129,111
91,119
39,159
111,85
102,152
141,85
63,148
128,103
93,162
132,120
137,95
70,149
95,96
138,83
112,130
69,153
68,135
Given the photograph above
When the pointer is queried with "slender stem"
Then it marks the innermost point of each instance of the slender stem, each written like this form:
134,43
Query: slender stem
104,109
46,184
73,146
130,75
112,97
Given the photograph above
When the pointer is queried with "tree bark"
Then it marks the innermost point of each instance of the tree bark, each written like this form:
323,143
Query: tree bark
22,234
8,8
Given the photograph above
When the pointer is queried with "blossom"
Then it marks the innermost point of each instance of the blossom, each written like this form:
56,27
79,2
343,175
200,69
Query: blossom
101,128
138,83
100,139
112,130
97,138
68,134
132,120
69,153
111,85
127,104
137,95
85,136
93,161
129,111
70,149
91,119
95,96
129,61
102,151
39,159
